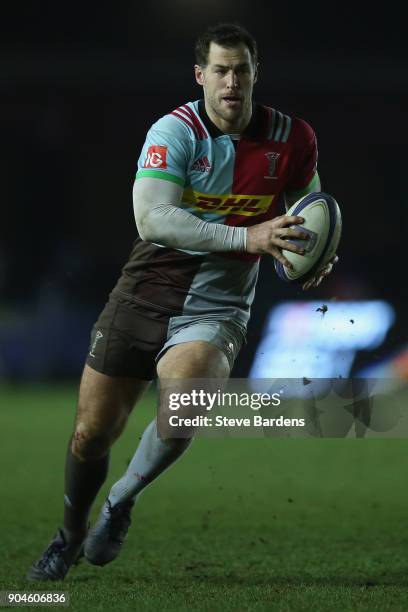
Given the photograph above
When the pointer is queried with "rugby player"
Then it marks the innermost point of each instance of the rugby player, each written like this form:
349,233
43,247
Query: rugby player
206,197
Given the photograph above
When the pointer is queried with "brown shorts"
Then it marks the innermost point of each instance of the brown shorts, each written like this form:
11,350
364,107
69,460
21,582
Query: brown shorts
128,337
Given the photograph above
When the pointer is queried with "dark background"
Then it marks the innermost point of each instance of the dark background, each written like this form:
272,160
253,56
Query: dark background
80,86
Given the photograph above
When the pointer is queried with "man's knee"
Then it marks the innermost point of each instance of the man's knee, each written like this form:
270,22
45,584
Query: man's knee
91,442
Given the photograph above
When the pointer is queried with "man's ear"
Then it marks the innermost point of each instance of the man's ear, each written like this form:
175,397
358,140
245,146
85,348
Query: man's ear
199,74
256,73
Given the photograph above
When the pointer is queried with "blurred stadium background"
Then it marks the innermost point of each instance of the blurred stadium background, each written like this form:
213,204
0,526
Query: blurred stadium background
81,83
80,88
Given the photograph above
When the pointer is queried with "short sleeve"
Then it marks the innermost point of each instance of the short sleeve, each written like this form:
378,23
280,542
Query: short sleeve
305,157
166,152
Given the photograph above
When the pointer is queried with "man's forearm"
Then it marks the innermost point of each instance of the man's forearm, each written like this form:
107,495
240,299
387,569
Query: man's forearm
174,227
168,225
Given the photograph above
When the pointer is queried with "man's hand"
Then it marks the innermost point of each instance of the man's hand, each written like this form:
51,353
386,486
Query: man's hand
320,275
271,236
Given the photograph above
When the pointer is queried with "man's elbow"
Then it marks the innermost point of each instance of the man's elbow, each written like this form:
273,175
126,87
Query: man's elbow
148,228
142,234
144,228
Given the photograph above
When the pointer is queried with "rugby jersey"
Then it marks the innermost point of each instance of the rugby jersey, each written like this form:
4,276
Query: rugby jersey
235,182
223,182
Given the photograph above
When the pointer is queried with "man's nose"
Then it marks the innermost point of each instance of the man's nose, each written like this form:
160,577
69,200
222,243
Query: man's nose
232,79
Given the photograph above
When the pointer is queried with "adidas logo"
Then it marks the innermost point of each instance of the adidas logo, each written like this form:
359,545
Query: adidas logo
202,164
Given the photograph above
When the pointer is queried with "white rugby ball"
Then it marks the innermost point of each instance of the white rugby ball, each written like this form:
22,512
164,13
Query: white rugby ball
323,224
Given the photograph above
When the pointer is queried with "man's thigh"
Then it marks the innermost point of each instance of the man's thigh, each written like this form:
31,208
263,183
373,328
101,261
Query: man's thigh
104,405
184,370
105,400
197,355
124,344
197,338
195,359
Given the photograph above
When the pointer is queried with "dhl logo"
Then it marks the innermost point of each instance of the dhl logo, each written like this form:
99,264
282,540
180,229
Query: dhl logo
247,205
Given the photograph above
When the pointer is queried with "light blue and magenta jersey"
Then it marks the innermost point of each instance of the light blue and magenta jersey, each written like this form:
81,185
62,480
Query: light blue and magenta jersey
225,180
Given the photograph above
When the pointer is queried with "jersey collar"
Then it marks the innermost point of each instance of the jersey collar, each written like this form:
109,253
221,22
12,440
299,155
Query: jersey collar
253,131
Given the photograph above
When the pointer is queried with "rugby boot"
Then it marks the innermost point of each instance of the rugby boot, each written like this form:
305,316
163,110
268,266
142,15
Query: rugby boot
56,560
106,537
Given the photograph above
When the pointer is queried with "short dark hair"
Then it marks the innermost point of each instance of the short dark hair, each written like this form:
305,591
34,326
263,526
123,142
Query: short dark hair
225,35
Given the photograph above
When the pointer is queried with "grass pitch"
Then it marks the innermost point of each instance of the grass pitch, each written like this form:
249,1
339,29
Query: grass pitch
236,524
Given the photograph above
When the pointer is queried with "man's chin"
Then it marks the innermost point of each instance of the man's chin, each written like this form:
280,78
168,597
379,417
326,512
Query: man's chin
230,114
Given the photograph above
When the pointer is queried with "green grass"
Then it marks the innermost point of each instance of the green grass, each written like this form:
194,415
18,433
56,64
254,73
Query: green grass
236,524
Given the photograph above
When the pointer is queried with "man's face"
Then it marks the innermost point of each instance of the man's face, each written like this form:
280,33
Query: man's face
228,81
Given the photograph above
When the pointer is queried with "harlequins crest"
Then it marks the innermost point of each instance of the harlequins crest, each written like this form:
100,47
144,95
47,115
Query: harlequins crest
272,159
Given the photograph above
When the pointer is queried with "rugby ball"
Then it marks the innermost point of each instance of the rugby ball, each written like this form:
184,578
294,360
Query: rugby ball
323,224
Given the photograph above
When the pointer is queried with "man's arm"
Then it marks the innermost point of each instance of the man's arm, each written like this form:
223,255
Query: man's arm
160,219
293,196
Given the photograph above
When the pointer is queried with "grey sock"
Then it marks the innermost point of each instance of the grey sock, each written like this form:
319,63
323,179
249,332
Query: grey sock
152,457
